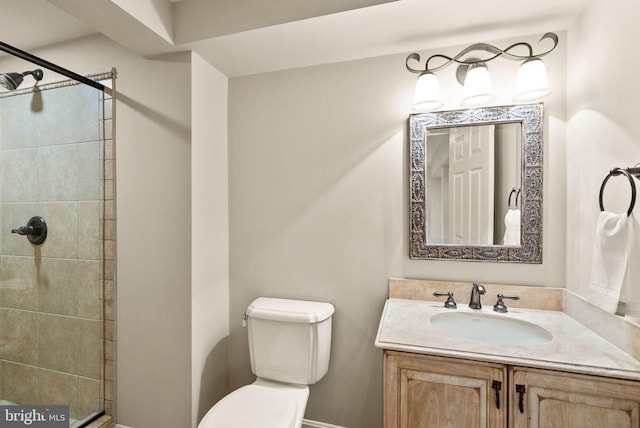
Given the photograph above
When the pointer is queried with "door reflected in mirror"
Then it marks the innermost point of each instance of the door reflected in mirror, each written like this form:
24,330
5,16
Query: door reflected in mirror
474,177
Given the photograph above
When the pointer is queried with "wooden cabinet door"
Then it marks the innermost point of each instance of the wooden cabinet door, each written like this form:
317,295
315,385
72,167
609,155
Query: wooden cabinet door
564,400
432,392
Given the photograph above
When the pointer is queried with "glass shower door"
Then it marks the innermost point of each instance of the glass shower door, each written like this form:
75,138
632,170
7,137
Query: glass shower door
51,293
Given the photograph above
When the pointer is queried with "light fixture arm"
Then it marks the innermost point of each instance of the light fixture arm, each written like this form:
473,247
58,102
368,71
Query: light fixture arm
485,47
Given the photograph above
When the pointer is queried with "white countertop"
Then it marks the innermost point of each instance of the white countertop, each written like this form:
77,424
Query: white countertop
405,325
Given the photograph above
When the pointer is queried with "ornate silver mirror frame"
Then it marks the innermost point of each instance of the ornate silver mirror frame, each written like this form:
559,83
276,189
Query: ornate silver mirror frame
530,250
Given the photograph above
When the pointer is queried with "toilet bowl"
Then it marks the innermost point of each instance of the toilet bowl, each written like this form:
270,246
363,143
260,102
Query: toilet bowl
262,404
289,347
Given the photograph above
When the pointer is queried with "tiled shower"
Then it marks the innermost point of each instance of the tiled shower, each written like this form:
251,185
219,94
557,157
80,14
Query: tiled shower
56,299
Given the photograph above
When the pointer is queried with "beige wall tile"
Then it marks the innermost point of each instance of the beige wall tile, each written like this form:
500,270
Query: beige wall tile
109,290
18,336
108,108
89,171
70,345
108,130
82,395
18,175
57,388
109,330
89,283
110,370
58,286
19,383
17,131
88,396
2,232
109,350
108,169
18,282
109,310
109,390
89,231
110,250
70,287
62,224
108,150
109,190
109,229
109,270
72,111
58,173
109,211
15,215
109,408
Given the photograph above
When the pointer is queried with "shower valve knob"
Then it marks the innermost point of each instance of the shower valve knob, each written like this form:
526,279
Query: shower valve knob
35,230
23,230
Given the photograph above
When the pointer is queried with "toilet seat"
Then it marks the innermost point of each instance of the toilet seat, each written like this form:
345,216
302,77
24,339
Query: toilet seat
253,406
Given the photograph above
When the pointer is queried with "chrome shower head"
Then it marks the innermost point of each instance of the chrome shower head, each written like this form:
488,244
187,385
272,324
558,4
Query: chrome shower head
11,81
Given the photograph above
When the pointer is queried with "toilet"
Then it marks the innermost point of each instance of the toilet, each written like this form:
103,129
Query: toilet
289,347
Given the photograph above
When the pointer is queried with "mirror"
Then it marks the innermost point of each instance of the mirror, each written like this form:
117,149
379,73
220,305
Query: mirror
473,176
476,184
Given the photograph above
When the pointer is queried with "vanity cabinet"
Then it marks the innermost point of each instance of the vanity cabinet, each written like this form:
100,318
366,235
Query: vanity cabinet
564,400
430,392
441,392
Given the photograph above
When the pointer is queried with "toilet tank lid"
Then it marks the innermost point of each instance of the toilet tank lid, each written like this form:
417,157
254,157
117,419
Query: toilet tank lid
300,311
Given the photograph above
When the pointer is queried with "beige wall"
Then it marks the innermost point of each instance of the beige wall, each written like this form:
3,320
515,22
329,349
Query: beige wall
602,127
153,122
153,217
210,238
318,203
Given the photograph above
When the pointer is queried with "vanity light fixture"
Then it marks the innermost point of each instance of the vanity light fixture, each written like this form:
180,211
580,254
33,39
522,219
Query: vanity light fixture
477,85
531,83
427,95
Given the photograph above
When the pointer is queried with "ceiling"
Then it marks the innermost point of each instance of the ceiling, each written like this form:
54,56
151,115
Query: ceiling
243,37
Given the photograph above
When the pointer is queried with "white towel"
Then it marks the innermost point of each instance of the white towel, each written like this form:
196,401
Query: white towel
610,260
512,227
630,294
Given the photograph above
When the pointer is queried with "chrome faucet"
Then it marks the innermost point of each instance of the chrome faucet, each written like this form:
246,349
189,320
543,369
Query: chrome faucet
476,292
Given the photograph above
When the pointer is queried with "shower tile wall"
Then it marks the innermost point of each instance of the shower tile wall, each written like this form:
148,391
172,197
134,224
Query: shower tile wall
51,327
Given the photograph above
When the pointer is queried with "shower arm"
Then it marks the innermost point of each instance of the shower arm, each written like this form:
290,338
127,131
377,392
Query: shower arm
53,67
37,74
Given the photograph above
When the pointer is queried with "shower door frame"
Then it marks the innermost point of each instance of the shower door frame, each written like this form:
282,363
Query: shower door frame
107,260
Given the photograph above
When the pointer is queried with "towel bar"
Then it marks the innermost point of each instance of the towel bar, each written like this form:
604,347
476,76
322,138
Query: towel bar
625,172
516,200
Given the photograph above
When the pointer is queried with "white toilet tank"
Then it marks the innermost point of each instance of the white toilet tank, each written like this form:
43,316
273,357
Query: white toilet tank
289,340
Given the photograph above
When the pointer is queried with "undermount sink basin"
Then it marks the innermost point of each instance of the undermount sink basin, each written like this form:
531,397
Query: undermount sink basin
493,329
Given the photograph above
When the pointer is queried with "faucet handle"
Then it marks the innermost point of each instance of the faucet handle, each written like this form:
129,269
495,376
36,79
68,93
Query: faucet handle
450,303
500,306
